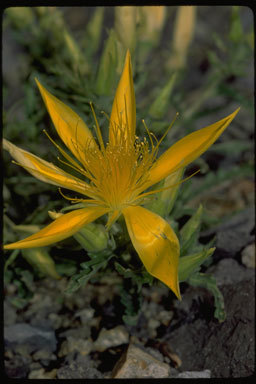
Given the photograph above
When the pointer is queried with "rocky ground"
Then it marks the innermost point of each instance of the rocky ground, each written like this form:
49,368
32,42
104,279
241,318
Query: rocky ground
82,335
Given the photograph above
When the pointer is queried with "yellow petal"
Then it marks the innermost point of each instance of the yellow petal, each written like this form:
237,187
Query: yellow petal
70,127
63,227
44,170
123,115
188,149
156,244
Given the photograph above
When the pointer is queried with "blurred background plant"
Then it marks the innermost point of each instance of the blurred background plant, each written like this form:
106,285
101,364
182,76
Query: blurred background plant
78,54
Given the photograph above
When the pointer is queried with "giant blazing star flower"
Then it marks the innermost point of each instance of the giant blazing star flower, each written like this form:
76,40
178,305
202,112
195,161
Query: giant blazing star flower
114,177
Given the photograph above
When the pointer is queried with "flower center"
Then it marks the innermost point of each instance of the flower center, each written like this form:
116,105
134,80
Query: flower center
118,173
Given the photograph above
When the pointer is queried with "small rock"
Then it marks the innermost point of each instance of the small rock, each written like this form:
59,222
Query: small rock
135,363
165,317
32,337
55,320
195,375
84,347
235,233
78,371
111,338
83,332
17,367
41,374
155,353
228,271
44,356
153,324
86,315
35,366
248,256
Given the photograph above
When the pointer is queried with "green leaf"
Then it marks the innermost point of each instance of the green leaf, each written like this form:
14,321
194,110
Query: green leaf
189,232
89,270
191,263
209,282
11,259
164,201
40,259
93,31
131,299
106,79
191,225
162,102
236,33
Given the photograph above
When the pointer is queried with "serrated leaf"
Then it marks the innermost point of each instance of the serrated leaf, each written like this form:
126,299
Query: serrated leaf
209,282
90,269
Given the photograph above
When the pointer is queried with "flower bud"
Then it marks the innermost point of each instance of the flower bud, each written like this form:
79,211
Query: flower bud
92,237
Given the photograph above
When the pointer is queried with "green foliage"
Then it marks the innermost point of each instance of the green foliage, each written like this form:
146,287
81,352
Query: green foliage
190,264
89,270
190,231
132,303
40,259
83,66
209,282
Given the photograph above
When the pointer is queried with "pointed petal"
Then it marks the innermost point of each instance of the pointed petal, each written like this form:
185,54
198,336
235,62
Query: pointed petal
70,127
188,149
123,115
156,244
44,170
63,227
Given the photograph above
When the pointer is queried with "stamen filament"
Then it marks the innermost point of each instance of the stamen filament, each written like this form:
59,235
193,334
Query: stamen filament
69,158
165,188
149,135
166,132
98,132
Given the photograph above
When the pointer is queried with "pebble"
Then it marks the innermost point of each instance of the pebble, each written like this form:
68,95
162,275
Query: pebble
206,374
85,315
55,320
248,256
153,324
84,347
41,374
23,334
43,354
228,271
78,371
111,338
165,317
136,363
82,332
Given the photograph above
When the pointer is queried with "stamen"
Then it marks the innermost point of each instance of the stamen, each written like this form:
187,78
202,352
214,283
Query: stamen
170,186
166,132
71,166
106,115
73,199
98,132
149,135
69,158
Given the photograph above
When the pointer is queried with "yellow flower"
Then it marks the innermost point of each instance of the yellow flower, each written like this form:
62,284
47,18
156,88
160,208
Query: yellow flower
115,176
